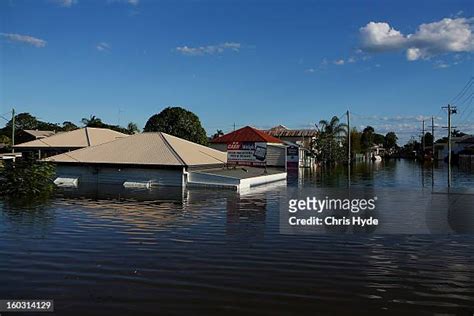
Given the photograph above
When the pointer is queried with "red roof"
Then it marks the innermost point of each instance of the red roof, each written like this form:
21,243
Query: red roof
246,134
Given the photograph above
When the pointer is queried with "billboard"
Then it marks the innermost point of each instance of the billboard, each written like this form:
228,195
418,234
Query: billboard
247,153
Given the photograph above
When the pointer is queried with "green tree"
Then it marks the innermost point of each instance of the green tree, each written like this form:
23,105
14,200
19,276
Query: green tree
355,141
178,122
69,126
367,138
427,139
26,177
390,140
218,133
92,121
133,128
379,139
24,121
329,144
5,140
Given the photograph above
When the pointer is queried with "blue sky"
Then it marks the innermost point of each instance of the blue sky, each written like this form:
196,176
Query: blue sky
259,63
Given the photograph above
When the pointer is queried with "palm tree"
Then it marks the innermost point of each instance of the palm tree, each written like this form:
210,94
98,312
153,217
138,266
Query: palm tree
330,136
93,121
333,127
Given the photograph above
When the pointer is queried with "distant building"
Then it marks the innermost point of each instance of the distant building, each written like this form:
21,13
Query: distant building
67,141
251,147
303,137
458,144
28,135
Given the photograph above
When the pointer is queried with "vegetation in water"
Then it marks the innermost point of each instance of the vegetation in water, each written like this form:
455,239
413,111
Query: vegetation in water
26,178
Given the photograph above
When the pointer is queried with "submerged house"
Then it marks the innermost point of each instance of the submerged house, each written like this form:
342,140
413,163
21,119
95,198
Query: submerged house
251,147
147,159
68,141
156,159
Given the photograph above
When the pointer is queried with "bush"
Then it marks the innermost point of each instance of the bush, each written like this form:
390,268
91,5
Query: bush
26,177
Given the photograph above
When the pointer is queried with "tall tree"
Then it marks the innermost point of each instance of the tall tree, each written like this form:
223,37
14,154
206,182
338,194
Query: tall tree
329,144
390,140
24,121
367,138
427,139
355,140
178,122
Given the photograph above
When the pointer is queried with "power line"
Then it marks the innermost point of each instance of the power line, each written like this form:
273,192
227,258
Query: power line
463,90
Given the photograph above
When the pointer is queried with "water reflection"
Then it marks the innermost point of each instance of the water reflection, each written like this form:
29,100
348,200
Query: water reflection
388,173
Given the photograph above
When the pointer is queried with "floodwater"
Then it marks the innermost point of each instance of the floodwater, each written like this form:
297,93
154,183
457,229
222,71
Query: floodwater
110,251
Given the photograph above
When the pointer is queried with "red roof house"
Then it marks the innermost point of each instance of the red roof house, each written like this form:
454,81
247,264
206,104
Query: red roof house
251,147
246,134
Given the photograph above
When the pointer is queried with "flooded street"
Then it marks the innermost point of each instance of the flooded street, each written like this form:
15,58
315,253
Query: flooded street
106,251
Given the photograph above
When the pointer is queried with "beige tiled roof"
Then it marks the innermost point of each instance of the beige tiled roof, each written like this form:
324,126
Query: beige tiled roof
146,149
83,137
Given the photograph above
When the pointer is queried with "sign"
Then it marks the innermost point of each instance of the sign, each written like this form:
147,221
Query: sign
292,157
247,153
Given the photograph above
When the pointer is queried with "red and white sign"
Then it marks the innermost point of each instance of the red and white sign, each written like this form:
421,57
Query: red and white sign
247,153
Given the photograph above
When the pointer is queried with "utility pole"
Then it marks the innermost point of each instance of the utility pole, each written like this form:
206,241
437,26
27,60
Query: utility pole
13,130
348,149
432,151
348,138
451,110
432,133
423,139
234,126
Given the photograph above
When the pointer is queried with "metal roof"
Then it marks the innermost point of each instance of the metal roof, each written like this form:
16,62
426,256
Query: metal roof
145,149
79,138
283,131
39,134
246,134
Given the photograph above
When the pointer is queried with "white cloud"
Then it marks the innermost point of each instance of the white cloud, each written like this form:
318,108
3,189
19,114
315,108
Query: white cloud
339,62
103,47
209,49
380,36
65,3
310,70
446,36
24,39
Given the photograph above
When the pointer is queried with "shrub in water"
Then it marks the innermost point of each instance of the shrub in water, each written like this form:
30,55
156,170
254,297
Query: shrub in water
26,177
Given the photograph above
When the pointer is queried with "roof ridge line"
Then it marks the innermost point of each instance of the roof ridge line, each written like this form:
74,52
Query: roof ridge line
172,149
87,136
